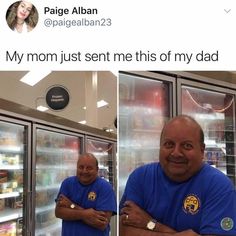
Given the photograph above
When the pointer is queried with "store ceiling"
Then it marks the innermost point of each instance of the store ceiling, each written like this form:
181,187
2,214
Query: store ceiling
12,89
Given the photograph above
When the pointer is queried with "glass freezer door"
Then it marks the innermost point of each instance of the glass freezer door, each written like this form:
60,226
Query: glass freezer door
144,106
103,151
105,154
12,178
214,109
56,158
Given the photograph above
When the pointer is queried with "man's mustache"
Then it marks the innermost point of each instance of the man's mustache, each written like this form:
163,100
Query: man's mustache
178,159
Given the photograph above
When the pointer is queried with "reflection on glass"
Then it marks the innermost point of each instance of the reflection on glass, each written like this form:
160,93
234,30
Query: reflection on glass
56,158
103,152
215,113
143,109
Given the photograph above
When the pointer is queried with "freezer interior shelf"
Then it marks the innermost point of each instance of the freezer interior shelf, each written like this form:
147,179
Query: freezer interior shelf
48,187
11,149
58,166
11,167
7,195
45,208
10,214
56,151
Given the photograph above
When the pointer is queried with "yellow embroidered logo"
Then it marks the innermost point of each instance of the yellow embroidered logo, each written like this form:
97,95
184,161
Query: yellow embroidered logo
92,196
191,204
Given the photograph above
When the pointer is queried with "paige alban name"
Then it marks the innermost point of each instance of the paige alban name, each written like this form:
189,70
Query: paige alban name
75,10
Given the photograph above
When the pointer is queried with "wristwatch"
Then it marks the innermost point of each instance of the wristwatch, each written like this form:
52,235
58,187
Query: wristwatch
151,224
72,206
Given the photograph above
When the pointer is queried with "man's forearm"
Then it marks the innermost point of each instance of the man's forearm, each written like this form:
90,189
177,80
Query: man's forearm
133,231
142,224
91,217
66,213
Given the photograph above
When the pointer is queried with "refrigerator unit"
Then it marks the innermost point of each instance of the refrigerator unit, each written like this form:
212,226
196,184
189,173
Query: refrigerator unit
144,105
104,152
56,157
214,108
14,166
37,152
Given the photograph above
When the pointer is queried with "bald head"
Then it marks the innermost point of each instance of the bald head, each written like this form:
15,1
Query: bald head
89,156
189,121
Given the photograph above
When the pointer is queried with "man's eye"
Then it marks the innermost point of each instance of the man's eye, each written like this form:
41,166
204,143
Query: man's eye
168,144
188,146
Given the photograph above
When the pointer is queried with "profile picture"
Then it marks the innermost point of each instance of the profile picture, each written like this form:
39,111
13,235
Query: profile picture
22,16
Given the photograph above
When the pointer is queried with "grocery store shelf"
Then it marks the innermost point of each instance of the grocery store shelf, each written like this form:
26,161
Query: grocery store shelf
10,214
11,167
7,195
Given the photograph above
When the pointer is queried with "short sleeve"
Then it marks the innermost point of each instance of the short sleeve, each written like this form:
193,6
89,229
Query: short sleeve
219,211
106,199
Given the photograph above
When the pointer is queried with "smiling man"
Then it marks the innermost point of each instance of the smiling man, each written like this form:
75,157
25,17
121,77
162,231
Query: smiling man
180,195
85,202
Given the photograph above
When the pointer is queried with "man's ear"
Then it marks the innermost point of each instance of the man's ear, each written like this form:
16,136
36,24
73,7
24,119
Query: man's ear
203,149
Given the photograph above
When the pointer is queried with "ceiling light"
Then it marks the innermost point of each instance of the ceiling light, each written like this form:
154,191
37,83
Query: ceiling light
115,72
33,77
108,129
42,108
82,122
101,103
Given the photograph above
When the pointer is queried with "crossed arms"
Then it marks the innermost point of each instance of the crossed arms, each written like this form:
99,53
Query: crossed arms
135,224
91,217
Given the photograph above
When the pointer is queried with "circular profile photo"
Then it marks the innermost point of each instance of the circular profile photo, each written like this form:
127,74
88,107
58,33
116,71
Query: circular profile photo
22,16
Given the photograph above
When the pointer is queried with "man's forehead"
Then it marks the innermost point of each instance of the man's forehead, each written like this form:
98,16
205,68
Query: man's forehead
183,122
86,159
171,127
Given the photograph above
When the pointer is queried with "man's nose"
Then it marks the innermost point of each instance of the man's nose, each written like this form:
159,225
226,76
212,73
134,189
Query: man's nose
85,170
176,152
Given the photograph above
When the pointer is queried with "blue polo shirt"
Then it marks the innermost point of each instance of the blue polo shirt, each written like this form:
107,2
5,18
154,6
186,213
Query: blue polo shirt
99,195
206,203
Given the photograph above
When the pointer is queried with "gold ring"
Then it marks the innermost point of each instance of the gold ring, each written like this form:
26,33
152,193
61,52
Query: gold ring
127,217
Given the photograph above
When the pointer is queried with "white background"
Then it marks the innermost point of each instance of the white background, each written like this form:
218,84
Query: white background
179,26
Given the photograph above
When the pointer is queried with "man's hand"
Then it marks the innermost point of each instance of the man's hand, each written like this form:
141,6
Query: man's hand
63,201
135,216
97,219
94,218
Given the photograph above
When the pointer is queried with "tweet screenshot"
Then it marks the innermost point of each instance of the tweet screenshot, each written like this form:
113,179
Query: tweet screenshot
117,118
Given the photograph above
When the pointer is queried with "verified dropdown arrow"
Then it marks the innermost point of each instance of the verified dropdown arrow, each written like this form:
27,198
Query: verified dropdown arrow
227,10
